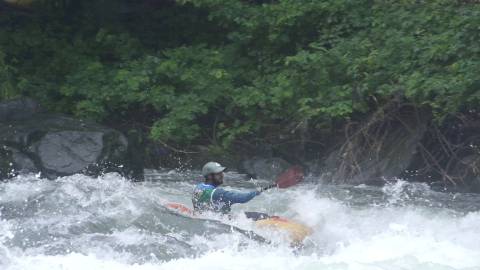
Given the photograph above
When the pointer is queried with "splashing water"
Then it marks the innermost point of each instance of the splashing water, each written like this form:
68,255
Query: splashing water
79,222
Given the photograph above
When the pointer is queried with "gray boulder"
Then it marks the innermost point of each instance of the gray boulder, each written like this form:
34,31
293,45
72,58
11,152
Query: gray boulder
18,109
68,152
57,145
21,163
265,168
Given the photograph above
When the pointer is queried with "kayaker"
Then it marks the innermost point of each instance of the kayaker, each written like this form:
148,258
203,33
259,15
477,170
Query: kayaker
207,196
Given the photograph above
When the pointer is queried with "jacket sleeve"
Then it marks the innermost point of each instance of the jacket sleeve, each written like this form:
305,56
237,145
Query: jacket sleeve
232,197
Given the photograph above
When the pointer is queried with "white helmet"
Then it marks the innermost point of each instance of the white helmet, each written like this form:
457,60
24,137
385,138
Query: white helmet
212,167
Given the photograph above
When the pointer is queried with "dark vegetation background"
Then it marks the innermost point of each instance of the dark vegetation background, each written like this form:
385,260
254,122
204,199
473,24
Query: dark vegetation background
295,78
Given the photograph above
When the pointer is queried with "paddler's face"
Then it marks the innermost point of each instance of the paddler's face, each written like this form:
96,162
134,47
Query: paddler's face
218,178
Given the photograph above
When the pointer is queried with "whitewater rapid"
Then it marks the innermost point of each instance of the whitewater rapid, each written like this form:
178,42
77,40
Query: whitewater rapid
80,222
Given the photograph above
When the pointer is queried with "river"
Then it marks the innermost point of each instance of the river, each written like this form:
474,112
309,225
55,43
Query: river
80,222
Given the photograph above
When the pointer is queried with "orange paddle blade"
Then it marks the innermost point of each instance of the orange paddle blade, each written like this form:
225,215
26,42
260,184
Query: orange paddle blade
180,208
290,177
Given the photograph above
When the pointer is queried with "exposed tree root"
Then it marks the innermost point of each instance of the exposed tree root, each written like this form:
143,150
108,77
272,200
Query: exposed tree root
449,153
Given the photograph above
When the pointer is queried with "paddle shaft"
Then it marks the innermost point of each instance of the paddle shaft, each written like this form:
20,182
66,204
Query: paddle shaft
268,187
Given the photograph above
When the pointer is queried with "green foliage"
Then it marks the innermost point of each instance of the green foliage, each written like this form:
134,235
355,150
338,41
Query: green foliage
211,71
7,82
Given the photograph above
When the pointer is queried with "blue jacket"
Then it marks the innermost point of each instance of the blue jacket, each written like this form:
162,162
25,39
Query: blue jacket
208,197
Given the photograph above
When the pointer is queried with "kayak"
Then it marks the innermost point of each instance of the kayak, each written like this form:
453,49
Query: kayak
296,232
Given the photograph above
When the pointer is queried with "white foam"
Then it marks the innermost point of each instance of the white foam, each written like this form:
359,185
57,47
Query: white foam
390,236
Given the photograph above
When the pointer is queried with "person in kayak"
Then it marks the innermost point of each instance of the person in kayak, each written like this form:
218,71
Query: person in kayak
207,196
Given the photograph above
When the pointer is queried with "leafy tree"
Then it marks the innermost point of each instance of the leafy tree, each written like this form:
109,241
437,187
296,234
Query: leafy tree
215,72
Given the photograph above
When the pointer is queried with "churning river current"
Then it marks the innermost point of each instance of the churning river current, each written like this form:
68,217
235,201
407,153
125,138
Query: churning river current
80,222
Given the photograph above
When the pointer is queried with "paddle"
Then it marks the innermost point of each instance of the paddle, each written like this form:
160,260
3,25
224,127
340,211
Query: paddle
290,177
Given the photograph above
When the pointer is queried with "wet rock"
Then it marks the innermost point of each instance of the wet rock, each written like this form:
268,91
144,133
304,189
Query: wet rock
265,168
6,163
22,163
68,152
18,109
58,145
